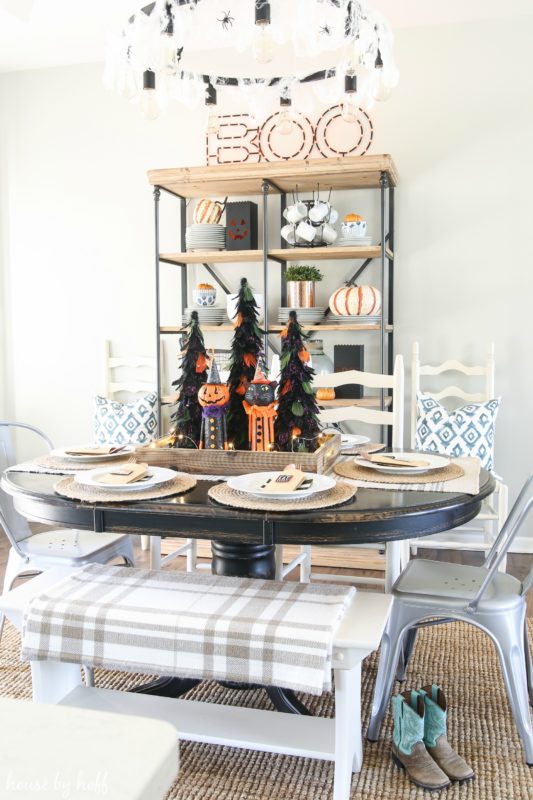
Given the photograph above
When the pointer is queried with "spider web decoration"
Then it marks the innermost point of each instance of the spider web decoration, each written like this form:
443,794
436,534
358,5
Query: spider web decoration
242,139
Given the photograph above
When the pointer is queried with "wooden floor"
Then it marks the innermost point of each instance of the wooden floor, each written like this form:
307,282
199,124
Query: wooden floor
518,564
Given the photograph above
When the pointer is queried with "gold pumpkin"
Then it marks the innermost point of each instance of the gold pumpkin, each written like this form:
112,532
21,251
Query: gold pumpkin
325,393
213,394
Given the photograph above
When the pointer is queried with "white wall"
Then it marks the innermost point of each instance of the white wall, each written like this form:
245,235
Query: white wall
77,235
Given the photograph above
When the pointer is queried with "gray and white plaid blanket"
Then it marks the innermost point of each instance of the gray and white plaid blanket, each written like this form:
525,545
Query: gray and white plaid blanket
197,626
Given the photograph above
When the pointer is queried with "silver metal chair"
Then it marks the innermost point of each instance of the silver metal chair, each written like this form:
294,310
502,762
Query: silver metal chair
482,596
34,553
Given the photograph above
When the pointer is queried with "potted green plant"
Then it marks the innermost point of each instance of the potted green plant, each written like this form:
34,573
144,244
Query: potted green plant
301,279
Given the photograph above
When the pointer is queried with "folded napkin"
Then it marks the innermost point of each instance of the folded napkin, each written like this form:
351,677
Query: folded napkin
275,633
124,475
466,484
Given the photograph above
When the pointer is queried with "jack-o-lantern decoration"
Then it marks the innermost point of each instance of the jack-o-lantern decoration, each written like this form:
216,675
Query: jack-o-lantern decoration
260,405
214,398
238,230
241,226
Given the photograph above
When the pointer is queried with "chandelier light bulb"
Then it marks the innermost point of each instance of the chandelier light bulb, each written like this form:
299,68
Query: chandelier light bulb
350,98
149,105
349,107
213,122
263,44
169,55
286,123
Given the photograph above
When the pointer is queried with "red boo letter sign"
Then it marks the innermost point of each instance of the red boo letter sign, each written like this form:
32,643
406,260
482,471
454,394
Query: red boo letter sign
240,138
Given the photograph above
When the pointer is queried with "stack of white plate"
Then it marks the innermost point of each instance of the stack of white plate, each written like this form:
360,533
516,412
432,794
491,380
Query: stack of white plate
306,316
214,315
359,319
205,237
353,241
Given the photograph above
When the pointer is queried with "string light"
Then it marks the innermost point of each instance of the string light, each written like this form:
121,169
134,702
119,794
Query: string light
182,436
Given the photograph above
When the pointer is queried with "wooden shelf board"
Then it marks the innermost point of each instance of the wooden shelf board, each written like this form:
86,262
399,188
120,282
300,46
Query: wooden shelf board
213,257
327,253
350,172
277,328
290,254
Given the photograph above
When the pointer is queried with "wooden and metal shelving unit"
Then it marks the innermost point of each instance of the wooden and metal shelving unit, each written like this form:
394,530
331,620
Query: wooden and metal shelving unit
267,180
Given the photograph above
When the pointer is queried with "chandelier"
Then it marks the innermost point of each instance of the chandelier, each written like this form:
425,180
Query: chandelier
176,50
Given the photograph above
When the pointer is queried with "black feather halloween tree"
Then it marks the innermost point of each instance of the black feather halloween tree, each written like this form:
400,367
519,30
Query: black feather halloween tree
297,417
246,348
187,417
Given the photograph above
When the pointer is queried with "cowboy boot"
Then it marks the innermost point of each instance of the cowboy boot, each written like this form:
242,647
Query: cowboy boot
435,738
408,748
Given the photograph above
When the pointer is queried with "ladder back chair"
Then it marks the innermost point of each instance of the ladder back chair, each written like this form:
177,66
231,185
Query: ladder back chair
391,418
480,534
430,592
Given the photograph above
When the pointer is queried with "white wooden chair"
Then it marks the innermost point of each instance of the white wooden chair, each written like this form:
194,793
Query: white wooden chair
142,378
34,553
395,552
480,534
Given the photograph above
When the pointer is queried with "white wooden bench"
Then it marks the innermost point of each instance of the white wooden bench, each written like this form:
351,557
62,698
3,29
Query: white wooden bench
338,740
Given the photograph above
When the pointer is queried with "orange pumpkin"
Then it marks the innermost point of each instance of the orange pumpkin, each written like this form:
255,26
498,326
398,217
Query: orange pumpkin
213,394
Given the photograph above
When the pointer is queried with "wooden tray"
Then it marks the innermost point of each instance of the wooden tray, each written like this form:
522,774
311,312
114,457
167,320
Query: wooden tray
239,462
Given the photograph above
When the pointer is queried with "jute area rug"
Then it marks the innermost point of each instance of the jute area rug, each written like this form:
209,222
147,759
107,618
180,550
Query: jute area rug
456,656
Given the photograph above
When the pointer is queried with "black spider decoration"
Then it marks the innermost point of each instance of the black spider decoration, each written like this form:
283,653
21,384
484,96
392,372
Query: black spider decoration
325,30
227,20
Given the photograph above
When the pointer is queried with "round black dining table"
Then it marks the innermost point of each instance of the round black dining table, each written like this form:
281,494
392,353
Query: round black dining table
243,542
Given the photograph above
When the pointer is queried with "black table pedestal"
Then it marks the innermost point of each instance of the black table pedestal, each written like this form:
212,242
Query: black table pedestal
243,560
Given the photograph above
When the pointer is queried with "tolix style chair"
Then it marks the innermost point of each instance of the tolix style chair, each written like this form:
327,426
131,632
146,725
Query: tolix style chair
482,596
34,553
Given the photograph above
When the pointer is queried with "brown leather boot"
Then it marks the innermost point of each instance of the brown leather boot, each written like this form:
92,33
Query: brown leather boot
435,737
408,748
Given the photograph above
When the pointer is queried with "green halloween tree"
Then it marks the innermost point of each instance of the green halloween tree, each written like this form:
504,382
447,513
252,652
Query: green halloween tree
246,348
296,425
187,417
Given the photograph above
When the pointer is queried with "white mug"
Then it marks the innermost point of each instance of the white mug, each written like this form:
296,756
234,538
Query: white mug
288,234
333,216
295,213
319,211
306,231
329,234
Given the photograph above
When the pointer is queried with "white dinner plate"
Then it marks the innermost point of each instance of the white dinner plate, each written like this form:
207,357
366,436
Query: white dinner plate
433,462
156,476
60,452
252,484
349,440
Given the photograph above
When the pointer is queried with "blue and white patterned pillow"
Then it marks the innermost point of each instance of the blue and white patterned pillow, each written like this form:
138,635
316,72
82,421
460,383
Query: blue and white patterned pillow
467,431
125,423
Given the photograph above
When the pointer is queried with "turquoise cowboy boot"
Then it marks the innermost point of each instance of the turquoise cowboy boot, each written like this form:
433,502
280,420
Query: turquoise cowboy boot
408,748
435,737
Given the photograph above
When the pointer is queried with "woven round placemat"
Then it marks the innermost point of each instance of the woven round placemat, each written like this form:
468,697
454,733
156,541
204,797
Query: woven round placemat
55,462
68,487
223,494
349,469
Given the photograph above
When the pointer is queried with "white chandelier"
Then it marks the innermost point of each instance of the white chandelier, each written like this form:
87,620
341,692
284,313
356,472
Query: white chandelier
162,52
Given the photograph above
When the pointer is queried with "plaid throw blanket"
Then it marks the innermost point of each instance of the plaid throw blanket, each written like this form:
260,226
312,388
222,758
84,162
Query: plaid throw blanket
196,626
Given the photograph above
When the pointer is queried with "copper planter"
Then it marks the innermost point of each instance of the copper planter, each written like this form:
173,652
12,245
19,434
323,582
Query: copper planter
301,294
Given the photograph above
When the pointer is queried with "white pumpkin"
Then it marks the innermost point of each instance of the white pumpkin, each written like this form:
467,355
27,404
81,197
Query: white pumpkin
207,212
355,301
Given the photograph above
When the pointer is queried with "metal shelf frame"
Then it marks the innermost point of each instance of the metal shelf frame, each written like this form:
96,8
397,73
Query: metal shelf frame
268,188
